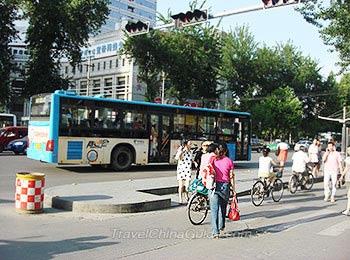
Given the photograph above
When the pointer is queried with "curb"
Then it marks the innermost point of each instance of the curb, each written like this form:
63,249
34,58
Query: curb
153,204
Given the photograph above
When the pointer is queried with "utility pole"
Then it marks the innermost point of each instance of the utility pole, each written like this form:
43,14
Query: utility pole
343,121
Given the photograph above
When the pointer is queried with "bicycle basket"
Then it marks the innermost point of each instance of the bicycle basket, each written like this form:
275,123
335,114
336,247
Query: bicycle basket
198,186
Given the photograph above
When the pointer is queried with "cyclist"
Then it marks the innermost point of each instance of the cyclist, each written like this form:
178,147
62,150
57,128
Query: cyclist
265,166
300,159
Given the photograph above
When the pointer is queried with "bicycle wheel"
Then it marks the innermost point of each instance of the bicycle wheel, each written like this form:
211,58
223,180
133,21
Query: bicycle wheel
197,208
257,193
277,190
293,184
308,181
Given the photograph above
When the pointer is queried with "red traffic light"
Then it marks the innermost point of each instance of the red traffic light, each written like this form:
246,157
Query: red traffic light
137,28
196,16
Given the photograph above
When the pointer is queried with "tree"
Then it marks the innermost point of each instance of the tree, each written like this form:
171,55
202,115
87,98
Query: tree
333,19
7,33
239,61
279,113
190,59
58,29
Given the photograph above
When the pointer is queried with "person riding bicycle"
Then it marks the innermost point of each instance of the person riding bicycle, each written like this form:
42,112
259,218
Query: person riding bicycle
265,166
300,160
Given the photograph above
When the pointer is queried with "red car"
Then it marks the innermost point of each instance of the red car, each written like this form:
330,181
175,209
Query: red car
10,133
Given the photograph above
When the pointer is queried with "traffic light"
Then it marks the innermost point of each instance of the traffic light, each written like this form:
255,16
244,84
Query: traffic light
269,3
137,28
190,18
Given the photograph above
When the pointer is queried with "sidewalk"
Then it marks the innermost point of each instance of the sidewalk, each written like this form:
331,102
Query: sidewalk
133,195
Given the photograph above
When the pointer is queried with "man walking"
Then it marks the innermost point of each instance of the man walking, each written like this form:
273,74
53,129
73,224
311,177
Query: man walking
332,163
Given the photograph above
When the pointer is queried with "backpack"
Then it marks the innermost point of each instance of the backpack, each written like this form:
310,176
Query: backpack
208,175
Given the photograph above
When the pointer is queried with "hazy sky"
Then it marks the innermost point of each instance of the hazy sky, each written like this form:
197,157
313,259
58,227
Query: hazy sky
277,25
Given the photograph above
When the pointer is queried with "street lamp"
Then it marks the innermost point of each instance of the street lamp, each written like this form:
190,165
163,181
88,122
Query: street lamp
89,65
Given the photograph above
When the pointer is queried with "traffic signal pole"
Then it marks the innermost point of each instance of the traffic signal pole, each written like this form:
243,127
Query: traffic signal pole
248,9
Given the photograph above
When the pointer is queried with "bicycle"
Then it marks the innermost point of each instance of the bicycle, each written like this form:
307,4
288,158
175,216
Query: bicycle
304,180
198,204
263,188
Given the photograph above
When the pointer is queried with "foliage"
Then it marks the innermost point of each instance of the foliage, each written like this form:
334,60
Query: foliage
190,58
333,19
58,29
7,34
279,113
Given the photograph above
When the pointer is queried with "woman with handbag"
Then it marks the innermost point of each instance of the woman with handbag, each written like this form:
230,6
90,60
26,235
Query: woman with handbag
219,196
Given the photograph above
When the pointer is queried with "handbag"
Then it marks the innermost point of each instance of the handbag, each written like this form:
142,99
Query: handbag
233,212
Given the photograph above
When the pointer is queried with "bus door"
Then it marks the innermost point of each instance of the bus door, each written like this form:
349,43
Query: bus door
159,146
242,133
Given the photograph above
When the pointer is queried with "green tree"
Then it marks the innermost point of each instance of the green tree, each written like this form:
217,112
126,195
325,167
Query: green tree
58,29
333,19
8,32
279,113
190,59
239,61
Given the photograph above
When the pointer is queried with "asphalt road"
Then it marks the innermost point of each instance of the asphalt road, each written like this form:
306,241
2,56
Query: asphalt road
300,226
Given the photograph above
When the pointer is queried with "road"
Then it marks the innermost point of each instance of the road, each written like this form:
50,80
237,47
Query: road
299,226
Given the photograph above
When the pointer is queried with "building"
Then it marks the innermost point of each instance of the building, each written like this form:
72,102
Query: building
133,10
104,71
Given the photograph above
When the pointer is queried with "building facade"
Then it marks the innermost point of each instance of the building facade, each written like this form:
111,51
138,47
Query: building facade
133,10
104,71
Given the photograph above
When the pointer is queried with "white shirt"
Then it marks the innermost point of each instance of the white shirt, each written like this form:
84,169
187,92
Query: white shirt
283,146
313,152
347,174
264,165
300,159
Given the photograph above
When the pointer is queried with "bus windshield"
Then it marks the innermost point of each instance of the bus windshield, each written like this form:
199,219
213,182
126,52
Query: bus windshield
40,107
7,120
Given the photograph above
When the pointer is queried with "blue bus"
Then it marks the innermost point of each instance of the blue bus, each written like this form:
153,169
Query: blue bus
68,129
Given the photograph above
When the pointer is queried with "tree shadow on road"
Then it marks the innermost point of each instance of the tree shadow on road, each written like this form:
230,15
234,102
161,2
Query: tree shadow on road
43,250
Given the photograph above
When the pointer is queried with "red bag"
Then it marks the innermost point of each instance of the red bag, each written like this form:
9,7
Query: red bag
233,212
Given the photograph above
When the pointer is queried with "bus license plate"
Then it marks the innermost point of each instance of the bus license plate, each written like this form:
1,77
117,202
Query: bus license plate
38,146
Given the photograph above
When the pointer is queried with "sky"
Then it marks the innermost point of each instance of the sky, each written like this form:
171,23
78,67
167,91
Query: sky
272,26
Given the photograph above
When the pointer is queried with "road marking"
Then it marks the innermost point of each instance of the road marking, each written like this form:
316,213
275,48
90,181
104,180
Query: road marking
336,229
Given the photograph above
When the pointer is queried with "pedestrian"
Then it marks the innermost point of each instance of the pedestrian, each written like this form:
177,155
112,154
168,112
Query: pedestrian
219,196
282,150
212,152
346,173
198,156
314,156
332,163
154,140
265,165
184,157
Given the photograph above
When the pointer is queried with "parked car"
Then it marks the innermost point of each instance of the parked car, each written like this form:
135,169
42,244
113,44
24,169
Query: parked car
256,145
18,146
273,146
8,134
305,143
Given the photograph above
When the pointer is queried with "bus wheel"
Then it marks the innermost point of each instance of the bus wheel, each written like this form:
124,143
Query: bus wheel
1,148
121,159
